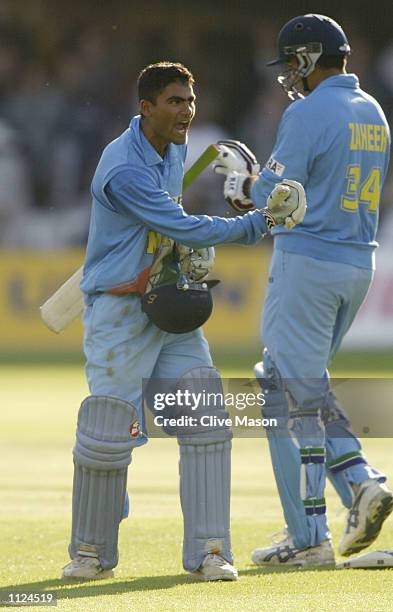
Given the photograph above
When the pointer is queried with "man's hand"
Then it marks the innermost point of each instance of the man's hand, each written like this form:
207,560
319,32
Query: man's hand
196,263
234,156
238,164
286,204
234,192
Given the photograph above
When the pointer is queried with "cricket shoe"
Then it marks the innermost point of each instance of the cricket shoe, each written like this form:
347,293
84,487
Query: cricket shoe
215,567
378,559
372,505
285,553
87,568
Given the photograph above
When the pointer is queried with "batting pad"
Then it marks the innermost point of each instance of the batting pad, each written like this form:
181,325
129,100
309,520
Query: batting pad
298,458
205,498
198,380
379,559
102,454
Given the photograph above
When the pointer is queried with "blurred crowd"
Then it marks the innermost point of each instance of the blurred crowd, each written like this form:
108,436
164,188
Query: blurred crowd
64,97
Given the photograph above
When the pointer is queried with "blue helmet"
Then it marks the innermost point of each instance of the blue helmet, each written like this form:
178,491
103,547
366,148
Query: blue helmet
307,38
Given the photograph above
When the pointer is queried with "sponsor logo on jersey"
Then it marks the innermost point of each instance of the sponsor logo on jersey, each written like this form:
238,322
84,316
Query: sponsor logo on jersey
275,166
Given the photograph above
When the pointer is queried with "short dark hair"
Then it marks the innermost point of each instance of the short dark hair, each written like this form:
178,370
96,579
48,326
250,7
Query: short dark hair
153,79
331,61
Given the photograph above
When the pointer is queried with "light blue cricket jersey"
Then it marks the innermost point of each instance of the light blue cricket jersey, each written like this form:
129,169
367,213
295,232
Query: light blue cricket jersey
136,201
335,142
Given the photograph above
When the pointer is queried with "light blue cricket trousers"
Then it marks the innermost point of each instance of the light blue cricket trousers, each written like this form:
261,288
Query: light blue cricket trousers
310,305
122,347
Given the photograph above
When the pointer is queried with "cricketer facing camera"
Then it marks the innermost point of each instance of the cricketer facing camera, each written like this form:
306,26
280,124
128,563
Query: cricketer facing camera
141,239
335,141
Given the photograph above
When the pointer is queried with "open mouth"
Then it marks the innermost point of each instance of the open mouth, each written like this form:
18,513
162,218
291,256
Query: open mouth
182,127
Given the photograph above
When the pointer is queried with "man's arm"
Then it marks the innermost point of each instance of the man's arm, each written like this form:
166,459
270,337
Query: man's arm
291,157
290,164
133,192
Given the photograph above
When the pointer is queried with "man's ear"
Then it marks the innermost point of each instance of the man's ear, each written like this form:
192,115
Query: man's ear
145,108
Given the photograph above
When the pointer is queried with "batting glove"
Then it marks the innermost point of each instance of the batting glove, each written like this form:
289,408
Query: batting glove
196,263
234,156
286,204
234,192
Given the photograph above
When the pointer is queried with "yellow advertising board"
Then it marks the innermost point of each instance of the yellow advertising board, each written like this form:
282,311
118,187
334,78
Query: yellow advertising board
238,299
29,278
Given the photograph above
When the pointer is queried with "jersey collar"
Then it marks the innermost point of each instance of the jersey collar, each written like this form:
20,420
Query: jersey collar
148,151
350,81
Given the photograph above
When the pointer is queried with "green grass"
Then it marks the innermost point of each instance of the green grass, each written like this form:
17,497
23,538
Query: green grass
361,363
39,407
346,363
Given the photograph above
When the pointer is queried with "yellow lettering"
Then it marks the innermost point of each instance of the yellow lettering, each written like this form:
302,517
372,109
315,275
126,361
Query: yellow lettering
153,241
363,131
351,202
383,138
370,137
357,137
352,128
371,189
361,192
377,137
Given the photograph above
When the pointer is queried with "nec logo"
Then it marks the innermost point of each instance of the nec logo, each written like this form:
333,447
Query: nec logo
275,166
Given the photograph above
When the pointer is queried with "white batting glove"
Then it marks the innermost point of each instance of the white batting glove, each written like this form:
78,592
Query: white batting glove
196,263
286,204
234,156
234,192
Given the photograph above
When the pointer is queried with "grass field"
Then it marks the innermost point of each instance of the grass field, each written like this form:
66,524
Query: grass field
39,406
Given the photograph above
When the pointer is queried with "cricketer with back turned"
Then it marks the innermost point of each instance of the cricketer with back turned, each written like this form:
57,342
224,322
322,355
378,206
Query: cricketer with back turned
334,140
137,217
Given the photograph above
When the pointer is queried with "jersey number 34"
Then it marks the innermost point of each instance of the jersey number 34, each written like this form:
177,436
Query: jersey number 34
364,192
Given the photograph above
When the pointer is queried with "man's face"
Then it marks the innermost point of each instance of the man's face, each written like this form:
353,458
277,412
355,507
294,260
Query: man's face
171,115
290,79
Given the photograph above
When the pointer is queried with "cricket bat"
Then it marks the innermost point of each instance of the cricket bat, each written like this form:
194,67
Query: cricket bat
66,304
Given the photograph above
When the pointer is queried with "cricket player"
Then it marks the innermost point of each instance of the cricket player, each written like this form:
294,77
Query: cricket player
136,215
334,139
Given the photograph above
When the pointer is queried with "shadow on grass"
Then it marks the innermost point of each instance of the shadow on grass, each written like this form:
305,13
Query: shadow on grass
71,589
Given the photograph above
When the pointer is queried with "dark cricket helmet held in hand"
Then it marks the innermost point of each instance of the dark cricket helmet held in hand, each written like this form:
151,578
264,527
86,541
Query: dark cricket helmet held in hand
179,308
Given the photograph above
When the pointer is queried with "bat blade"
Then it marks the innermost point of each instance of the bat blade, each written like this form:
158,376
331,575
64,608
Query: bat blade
66,304
207,157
